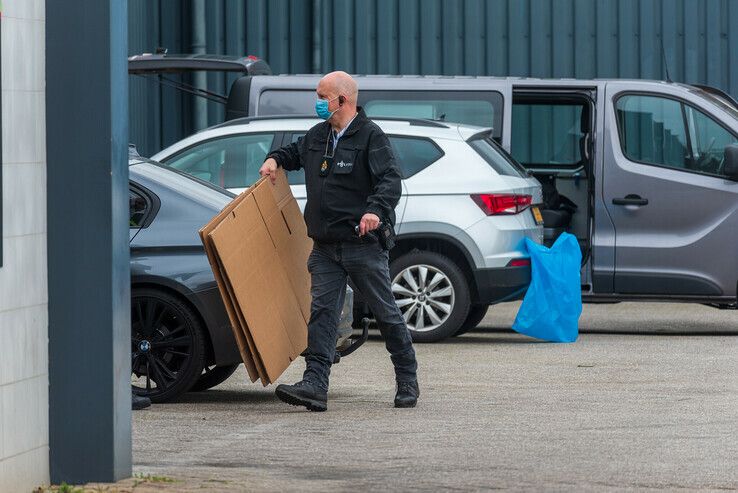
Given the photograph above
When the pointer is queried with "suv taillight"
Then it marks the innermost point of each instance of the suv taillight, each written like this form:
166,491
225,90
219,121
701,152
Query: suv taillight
500,203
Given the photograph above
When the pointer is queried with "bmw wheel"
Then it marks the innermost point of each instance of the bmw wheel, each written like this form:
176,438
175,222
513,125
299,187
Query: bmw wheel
432,294
167,345
212,376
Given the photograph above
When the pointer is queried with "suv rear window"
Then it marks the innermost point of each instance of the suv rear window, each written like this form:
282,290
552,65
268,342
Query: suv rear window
495,157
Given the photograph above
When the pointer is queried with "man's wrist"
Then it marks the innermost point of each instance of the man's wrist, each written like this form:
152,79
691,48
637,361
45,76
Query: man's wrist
270,156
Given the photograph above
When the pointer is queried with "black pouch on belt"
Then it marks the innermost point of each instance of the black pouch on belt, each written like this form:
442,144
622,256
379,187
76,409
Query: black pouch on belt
386,235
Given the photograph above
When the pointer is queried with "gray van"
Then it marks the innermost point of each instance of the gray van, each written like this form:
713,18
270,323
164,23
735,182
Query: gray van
643,173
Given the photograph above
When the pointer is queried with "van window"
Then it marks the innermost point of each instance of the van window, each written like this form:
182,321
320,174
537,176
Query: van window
666,132
480,108
547,135
287,102
231,161
414,154
709,140
652,130
479,113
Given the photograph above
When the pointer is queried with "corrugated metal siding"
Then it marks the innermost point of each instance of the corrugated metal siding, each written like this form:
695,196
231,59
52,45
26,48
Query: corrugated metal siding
539,38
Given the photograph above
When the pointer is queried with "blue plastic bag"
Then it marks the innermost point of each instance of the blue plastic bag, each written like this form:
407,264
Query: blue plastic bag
553,303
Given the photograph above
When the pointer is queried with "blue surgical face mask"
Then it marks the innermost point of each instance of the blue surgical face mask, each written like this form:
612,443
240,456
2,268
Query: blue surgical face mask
321,108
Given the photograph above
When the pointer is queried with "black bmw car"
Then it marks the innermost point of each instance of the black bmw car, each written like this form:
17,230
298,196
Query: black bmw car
181,338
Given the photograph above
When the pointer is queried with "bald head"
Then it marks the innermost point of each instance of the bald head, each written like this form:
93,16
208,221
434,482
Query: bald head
336,84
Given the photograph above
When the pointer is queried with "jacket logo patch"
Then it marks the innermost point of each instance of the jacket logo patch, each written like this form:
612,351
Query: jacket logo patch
343,168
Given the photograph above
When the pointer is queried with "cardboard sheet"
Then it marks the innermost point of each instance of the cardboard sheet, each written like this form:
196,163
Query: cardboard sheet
258,249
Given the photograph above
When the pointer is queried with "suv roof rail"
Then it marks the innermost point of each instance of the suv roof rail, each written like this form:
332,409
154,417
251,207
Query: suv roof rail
248,119
420,122
412,121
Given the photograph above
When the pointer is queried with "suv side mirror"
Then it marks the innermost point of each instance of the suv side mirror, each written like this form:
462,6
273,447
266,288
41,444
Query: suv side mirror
730,166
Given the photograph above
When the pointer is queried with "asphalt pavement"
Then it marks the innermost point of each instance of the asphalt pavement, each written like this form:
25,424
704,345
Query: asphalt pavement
646,399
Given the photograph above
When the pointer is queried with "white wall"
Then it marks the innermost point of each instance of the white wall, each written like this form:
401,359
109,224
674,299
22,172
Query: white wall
24,423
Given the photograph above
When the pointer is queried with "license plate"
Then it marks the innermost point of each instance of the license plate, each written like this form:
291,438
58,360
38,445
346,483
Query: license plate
537,215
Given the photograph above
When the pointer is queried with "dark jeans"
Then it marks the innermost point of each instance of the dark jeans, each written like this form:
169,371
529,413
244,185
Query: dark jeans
366,265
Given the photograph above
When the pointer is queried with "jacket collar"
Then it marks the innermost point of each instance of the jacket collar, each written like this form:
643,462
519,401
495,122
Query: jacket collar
357,122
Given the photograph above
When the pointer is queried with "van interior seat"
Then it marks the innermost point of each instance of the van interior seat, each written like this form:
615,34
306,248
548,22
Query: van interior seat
559,218
557,210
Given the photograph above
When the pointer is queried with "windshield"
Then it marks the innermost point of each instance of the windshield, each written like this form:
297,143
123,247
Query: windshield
496,157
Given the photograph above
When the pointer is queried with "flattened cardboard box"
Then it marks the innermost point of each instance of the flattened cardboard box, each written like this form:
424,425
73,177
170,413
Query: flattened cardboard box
258,249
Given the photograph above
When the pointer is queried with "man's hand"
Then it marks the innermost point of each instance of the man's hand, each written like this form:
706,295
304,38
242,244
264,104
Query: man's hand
269,168
369,222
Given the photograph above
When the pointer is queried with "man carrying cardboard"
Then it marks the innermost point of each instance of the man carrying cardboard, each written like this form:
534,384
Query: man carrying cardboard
353,186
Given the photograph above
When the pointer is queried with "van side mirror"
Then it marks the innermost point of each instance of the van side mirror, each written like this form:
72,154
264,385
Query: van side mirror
730,164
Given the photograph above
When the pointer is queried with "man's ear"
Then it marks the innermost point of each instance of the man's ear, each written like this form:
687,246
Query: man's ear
341,100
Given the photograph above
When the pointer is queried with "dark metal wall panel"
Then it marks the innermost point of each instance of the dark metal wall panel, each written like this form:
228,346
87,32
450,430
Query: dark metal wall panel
541,38
88,267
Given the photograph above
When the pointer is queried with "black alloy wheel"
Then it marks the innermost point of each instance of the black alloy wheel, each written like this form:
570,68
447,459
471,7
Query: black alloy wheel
212,376
167,345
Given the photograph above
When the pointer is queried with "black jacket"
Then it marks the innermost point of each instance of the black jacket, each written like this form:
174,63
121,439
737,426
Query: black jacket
362,177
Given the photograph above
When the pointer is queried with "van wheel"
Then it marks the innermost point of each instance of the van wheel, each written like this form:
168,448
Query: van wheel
476,315
432,294
167,345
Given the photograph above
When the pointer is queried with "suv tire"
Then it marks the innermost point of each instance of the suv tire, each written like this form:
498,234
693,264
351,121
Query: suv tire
433,289
476,315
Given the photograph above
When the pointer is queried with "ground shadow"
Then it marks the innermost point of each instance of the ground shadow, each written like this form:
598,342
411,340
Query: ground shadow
716,329
712,331
216,395
496,336
470,338
245,395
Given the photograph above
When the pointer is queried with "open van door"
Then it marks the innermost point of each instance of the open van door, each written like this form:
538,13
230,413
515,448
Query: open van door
162,63
665,189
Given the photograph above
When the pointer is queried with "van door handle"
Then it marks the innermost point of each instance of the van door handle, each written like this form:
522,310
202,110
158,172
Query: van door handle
630,200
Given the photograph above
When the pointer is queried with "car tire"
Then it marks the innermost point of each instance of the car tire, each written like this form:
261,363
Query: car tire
213,376
445,291
167,344
475,316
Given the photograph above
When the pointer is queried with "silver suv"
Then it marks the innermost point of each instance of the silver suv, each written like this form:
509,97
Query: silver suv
465,209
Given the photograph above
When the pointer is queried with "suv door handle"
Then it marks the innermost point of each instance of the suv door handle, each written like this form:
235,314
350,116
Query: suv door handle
630,200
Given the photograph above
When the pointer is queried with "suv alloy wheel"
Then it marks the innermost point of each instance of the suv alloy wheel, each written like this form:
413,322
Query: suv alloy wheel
432,294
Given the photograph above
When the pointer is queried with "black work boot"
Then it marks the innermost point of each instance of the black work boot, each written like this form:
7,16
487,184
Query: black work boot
407,394
303,393
140,402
